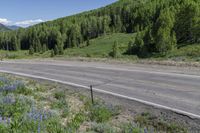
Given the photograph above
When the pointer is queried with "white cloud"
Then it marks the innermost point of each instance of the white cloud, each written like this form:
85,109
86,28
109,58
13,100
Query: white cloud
27,23
24,23
4,21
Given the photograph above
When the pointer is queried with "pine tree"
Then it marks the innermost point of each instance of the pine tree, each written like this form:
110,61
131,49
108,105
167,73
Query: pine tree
59,44
138,45
164,35
115,50
52,53
44,48
15,43
88,42
56,50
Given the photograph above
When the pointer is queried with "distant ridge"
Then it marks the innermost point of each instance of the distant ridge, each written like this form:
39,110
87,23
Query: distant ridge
13,27
3,28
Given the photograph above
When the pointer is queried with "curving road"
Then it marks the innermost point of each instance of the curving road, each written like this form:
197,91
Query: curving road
168,88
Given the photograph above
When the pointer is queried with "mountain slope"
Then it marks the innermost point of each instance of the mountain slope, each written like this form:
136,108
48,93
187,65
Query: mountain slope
13,27
161,26
3,28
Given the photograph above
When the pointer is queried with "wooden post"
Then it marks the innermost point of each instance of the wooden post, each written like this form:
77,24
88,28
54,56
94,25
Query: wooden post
91,90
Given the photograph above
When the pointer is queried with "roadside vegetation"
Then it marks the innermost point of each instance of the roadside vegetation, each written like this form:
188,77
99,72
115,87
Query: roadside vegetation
104,47
27,106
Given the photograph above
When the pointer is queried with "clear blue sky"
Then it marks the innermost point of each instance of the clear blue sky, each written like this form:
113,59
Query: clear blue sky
27,12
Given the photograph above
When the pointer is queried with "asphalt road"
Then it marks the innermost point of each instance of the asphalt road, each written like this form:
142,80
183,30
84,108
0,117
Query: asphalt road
172,89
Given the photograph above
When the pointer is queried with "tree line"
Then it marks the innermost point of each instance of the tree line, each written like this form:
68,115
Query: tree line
161,26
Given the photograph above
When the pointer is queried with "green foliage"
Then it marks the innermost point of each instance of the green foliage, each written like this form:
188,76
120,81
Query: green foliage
187,22
59,95
115,50
52,53
75,123
130,128
102,128
65,111
3,128
44,48
146,119
137,46
59,44
88,42
24,90
16,109
165,39
100,113
190,52
168,22
56,50
54,126
102,46
31,50
59,104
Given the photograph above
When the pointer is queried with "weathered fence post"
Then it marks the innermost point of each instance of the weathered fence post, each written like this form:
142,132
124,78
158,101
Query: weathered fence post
91,90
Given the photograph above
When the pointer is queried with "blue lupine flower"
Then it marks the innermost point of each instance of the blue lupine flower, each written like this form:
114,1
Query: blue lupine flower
9,121
38,127
10,86
9,99
38,115
4,80
5,120
145,130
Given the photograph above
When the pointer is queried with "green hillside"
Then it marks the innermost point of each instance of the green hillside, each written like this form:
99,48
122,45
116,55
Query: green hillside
102,46
3,28
162,26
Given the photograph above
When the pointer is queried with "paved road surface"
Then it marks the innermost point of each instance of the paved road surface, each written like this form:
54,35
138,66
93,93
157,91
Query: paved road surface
166,88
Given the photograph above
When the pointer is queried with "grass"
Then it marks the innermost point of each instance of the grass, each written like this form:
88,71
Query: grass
149,121
102,46
188,52
22,54
13,54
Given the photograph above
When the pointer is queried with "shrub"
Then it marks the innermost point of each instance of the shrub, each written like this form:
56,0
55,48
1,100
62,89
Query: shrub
130,128
52,53
59,104
88,55
31,50
54,126
59,95
24,90
3,128
115,50
147,120
76,122
100,113
65,111
102,128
